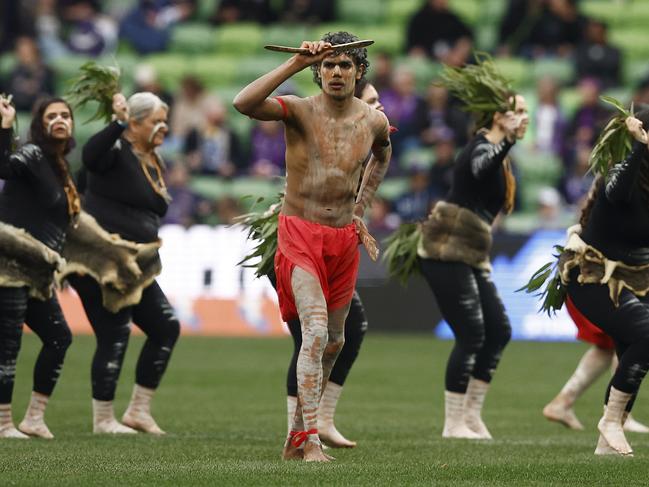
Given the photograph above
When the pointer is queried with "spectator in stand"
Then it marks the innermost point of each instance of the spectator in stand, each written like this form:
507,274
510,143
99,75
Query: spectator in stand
382,71
438,33
146,79
31,78
415,204
576,183
641,92
381,221
441,174
309,11
227,210
536,28
214,148
402,103
589,119
75,27
148,26
188,112
268,149
596,58
184,202
550,212
438,117
230,11
13,23
549,122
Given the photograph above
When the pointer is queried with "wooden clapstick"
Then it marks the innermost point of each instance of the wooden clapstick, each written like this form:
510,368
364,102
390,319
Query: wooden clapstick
337,47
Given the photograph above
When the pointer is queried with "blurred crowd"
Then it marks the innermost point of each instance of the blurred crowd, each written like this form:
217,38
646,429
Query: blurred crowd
432,126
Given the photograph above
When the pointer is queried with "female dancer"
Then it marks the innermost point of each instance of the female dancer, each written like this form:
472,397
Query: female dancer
126,194
605,268
37,204
455,245
599,358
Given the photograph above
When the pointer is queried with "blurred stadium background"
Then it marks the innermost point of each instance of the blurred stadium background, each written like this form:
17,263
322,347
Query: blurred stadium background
197,54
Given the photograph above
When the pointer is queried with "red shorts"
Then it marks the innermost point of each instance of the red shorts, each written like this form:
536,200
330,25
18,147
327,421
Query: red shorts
586,331
330,254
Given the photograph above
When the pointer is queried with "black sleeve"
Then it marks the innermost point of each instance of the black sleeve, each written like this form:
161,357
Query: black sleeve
487,157
98,154
12,166
621,178
82,180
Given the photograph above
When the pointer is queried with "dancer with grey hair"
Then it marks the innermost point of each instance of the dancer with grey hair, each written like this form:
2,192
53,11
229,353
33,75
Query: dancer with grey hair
126,194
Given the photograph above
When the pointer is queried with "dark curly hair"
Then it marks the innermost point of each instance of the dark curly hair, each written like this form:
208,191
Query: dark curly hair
359,56
37,133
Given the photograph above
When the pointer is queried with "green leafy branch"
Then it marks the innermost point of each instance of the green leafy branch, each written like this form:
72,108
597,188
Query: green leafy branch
262,227
481,87
400,253
96,84
614,142
553,296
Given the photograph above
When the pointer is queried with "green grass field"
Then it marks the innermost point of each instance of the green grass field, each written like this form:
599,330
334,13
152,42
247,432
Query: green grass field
223,404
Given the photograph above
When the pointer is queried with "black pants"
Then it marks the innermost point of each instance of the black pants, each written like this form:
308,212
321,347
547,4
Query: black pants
469,302
355,328
628,325
45,318
153,315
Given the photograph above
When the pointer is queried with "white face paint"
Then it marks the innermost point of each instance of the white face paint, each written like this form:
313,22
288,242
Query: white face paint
64,121
158,126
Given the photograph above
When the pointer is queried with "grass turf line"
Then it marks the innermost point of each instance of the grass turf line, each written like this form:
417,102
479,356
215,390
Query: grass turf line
223,404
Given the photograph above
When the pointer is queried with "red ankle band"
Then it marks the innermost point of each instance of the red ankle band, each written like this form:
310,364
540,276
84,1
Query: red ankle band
299,437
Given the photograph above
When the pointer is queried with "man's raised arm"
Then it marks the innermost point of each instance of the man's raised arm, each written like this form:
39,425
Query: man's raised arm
253,100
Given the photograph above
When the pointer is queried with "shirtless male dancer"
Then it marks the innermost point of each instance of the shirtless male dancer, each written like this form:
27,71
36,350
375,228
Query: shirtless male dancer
328,137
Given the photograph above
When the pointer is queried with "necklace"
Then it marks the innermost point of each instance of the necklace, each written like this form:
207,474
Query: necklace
159,185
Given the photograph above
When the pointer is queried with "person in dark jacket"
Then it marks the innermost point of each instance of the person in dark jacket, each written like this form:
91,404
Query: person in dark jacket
126,194
37,204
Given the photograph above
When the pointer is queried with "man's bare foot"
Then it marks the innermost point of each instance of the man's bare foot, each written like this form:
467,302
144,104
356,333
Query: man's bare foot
313,452
291,452
333,439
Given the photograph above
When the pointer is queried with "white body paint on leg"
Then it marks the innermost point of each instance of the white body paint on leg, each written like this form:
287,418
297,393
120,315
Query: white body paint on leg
34,422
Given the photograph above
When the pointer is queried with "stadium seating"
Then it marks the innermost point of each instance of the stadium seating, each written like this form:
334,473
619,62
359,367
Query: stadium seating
192,38
227,57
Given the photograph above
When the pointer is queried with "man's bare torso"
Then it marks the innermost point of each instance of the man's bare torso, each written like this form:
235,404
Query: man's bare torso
324,156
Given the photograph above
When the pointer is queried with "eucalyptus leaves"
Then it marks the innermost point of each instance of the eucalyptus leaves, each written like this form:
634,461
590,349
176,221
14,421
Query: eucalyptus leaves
481,87
262,227
400,254
554,294
96,83
614,142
